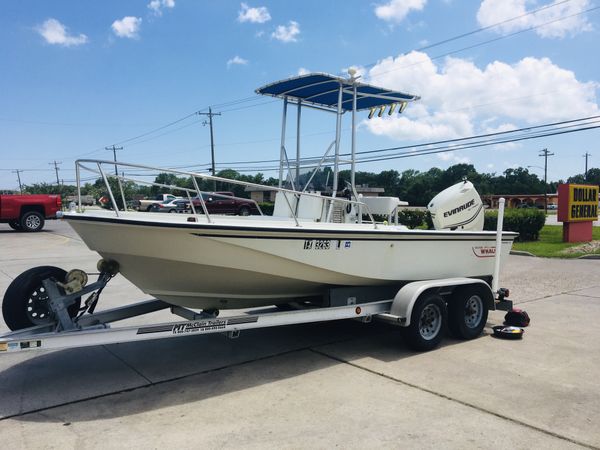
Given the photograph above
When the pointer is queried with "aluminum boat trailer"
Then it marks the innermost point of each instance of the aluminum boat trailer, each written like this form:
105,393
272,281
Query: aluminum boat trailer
421,309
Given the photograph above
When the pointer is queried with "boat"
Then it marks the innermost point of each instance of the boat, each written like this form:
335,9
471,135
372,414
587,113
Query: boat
313,242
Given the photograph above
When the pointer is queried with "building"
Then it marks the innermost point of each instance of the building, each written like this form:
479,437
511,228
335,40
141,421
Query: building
261,194
514,200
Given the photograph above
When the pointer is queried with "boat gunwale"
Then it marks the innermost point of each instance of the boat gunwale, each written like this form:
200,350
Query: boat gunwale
309,233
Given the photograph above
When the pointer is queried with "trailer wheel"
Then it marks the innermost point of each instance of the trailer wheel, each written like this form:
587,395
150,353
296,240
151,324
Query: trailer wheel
427,323
15,225
32,221
467,312
25,302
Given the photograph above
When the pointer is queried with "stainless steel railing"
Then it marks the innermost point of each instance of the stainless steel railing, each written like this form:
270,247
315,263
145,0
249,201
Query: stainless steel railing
81,164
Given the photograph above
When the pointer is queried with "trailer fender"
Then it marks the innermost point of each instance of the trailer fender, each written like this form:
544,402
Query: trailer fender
407,296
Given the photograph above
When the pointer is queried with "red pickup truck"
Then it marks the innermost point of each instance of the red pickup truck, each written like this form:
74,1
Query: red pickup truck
28,212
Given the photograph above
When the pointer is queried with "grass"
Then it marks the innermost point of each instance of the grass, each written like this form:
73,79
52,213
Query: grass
550,244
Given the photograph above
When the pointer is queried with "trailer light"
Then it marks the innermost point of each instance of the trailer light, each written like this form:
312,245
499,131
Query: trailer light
358,310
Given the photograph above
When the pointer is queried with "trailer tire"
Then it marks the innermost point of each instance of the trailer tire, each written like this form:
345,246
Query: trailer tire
32,221
467,312
427,323
25,302
15,225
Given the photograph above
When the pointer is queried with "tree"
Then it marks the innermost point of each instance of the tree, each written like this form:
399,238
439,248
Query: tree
593,177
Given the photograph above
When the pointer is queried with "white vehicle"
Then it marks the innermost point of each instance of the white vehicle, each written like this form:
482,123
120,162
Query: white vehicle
170,206
315,249
146,205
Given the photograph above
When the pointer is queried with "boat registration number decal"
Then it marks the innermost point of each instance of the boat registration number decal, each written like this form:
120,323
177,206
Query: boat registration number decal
317,244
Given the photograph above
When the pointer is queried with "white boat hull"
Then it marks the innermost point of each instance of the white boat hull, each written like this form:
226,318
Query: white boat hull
244,262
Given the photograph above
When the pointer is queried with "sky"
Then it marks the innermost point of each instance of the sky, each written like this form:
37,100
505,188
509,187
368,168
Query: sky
76,77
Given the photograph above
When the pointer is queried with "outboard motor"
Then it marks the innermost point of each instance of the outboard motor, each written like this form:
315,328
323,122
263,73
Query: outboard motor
457,208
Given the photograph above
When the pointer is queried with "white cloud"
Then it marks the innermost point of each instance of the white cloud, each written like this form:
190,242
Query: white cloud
127,27
460,99
157,6
453,158
56,33
397,10
287,33
495,11
236,60
253,15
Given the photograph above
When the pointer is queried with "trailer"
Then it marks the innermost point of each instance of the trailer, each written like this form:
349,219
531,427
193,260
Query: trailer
420,309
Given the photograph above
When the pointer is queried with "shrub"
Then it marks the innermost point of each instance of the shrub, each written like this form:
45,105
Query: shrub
527,222
267,208
412,218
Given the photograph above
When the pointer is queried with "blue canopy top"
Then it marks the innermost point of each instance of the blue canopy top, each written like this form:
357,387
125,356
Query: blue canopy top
322,89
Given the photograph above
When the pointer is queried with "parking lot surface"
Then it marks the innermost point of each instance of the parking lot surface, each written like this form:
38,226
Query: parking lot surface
344,384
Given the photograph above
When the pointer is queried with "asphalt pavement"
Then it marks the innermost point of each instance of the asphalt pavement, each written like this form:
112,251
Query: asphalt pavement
343,384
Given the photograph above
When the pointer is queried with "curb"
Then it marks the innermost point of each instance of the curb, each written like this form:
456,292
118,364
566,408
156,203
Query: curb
522,253
595,256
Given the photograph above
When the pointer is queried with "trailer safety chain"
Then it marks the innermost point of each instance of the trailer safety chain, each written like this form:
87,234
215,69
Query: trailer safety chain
92,301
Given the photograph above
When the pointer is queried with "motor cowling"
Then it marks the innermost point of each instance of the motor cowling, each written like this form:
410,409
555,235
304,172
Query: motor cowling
458,207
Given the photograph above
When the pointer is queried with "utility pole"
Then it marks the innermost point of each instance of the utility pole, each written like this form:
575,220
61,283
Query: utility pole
586,164
545,153
210,115
18,172
55,164
114,150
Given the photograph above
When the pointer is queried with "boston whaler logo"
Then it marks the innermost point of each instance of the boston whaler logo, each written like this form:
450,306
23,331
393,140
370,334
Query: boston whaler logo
459,209
484,252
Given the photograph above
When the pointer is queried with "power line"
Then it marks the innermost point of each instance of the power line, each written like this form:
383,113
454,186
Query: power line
488,27
441,149
412,149
497,133
489,41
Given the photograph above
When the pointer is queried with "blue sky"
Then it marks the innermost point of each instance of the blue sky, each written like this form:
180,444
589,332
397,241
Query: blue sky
79,76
